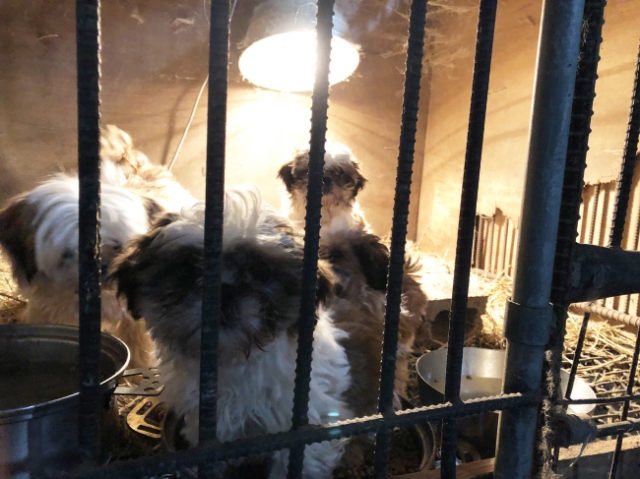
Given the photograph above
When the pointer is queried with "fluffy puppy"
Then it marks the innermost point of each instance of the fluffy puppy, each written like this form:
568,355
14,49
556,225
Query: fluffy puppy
160,275
341,212
123,165
360,260
341,184
39,233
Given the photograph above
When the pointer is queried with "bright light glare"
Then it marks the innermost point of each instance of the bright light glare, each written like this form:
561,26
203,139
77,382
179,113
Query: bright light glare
286,62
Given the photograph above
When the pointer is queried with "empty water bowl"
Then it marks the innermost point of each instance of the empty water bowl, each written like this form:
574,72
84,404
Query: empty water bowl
482,371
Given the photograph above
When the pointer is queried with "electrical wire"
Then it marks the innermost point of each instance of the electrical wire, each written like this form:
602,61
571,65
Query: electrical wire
204,84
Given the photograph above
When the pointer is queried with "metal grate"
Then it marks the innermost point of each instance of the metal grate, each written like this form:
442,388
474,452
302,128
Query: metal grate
562,22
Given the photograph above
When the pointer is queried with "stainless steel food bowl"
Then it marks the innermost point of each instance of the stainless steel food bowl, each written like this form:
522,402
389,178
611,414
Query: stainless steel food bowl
39,396
481,376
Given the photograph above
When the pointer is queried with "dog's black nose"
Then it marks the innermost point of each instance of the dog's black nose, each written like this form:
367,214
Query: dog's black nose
326,181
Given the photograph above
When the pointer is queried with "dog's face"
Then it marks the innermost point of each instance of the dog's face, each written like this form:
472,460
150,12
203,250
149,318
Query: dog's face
341,183
161,277
354,254
39,229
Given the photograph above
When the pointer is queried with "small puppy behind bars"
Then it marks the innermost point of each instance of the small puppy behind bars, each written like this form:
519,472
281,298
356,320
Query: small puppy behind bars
343,219
39,234
160,275
341,183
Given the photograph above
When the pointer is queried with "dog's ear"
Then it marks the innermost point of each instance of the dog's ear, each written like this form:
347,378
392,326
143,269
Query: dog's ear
373,257
154,210
124,273
360,182
286,175
17,236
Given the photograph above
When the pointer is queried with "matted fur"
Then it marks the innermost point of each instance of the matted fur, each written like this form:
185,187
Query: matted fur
123,165
361,262
342,182
39,231
160,275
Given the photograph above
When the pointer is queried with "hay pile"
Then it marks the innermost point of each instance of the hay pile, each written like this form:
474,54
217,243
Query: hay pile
10,302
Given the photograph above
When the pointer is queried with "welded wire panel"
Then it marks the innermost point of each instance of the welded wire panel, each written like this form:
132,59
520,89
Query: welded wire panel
628,163
88,80
307,319
150,466
216,131
613,472
413,75
475,135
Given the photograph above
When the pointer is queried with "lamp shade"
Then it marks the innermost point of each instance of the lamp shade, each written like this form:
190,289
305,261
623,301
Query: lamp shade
280,48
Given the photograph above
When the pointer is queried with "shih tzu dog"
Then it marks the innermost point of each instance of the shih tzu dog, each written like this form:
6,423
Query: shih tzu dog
39,233
343,220
341,183
160,275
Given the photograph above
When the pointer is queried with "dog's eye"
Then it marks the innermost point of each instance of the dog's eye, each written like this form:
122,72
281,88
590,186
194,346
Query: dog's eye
67,254
117,246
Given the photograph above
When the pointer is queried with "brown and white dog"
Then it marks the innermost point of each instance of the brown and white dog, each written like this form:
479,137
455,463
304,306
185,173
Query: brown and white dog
341,183
39,233
160,274
344,227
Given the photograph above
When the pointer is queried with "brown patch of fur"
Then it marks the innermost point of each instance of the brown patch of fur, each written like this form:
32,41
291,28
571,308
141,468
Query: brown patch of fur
17,236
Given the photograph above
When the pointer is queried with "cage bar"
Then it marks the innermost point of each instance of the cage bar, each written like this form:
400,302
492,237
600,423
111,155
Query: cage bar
625,408
628,163
88,81
528,317
468,202
213,221
273,442
413,76
307,320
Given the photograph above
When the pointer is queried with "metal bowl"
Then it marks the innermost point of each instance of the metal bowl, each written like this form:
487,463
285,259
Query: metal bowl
482,376
39,398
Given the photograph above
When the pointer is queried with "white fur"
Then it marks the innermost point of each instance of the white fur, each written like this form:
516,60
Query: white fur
265,394
257,390
52,294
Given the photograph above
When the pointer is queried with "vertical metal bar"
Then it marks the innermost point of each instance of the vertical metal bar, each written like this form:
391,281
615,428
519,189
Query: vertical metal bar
594,218
408,127
88,80
625,409
468,202
577,354
572,189
529,317
213,222
628,163
307,320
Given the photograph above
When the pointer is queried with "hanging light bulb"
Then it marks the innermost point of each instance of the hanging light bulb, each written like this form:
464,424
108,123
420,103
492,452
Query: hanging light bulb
280,51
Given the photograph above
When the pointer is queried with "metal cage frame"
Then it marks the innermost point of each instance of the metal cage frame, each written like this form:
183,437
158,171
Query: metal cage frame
562,108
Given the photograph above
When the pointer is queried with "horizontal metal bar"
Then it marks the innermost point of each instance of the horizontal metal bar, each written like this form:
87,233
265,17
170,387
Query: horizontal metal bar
568,402
622,427
306,435
598,272
607,313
